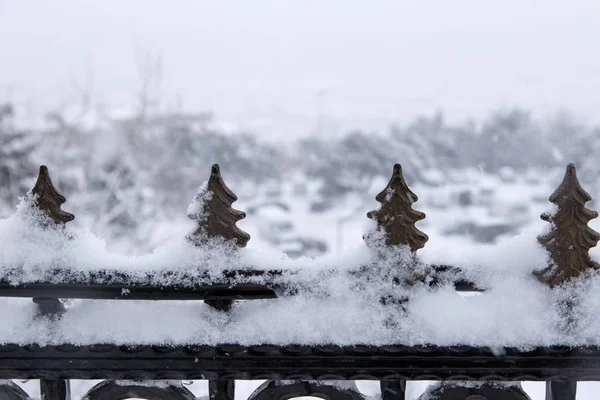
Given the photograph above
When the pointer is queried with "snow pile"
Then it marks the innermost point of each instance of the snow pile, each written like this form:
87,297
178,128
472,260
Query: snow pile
358,298
196,208
35,251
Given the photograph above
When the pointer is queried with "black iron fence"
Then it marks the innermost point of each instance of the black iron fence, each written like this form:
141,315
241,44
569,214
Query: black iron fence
293,370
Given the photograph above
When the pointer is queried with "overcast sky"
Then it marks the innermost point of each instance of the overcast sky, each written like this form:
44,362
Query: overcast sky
275,65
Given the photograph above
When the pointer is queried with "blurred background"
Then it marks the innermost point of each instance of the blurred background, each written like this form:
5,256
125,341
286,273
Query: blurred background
306,106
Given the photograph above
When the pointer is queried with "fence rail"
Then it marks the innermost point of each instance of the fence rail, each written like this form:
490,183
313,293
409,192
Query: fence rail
309,368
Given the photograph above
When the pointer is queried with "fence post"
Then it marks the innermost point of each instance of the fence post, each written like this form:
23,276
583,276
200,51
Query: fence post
396,221
216,218
558,390
49,307
221,389
55,389
48,200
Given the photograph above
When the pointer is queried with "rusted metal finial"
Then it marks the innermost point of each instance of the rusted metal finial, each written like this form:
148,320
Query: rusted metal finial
212,209
48,198
571,238
396,218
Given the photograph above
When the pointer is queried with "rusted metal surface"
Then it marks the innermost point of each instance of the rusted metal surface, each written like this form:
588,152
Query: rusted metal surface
396,218
215,217
48,198
570,238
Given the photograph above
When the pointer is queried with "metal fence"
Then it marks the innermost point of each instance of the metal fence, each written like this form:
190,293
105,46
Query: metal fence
300,370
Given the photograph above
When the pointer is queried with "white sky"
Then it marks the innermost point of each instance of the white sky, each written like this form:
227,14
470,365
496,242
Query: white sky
261,64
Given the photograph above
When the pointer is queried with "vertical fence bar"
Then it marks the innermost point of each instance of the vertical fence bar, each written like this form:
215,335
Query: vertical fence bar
557,390
212,209
55,389
222,389
49,307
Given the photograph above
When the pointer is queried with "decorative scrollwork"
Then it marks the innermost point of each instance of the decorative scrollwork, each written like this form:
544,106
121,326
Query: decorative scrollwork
454,391
109,390
212,210
570,238
396,217
283,390
393,390
11,391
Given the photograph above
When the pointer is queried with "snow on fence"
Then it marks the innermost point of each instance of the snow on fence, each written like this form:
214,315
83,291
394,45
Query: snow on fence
391,310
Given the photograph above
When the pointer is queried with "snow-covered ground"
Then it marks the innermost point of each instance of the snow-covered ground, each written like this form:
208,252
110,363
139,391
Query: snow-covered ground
471,206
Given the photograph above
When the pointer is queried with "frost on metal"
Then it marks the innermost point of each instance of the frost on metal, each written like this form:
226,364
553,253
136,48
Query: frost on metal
570,238
396,218
48,199
212,210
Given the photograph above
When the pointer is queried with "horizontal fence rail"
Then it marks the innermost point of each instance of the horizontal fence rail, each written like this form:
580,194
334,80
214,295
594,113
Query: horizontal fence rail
293,370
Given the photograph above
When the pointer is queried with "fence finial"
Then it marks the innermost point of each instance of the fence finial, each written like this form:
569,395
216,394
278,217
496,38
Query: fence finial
212,209
570,237
396,218
49,198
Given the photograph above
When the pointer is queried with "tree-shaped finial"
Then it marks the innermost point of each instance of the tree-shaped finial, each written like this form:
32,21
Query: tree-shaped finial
570,237
212,209
48,198
396,218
